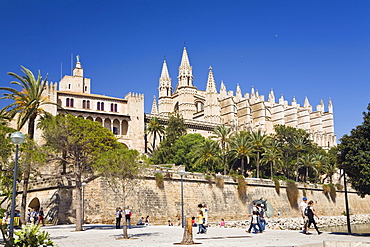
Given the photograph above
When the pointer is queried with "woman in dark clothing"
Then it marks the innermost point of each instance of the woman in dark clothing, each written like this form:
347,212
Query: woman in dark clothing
310,213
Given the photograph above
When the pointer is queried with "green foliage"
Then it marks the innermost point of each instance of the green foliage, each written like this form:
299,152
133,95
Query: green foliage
339,186
240,148
355,155
220,182
209,178
242,188
325,189
31,236
221,134
333,192
207,157
159,180
155,129
174,130
292,193
277,186
304,192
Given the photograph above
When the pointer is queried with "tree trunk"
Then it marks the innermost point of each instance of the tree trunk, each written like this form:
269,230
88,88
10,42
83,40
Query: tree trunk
187,238
258,164
271,169
78,204
242,165
296,178
27,172
125,234
26,179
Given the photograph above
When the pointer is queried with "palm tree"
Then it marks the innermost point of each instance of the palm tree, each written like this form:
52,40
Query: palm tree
28,102
241,148
322,163
307,161
259,142
207,154
298,144
155,128
222,135
272,155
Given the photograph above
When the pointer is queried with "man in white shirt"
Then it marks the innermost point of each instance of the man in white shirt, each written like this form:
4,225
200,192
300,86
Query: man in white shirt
302,207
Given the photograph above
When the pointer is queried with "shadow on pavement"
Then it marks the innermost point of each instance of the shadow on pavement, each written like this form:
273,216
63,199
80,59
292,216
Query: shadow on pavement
353,234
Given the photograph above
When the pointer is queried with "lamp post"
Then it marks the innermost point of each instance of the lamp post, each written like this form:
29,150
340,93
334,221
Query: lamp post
16,138
83,202
182,173
346,197
346,201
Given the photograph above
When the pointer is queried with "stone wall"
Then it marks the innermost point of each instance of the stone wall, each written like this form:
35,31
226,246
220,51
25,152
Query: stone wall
163,204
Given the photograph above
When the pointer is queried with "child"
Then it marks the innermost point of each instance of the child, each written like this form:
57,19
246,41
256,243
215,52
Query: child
170,223
310,213
201,229
222,223
254,222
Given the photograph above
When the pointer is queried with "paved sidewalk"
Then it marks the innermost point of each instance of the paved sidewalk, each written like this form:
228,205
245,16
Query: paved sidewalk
159,236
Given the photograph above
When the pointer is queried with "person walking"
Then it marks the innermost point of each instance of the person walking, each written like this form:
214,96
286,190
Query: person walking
201,228
41,216
118,217
254,223
310,213
128,215
302,207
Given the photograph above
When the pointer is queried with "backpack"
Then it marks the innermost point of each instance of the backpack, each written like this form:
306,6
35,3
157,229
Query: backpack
306,211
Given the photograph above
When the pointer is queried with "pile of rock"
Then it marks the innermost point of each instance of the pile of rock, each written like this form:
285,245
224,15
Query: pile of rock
296,223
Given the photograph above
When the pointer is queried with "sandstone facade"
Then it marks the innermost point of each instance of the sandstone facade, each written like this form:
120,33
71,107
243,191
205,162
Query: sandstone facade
56,195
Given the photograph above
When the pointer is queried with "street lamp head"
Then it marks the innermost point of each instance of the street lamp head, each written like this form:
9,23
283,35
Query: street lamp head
17,138
181,172
83,184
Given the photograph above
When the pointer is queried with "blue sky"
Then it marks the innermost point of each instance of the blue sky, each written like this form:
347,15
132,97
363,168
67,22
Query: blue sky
319,49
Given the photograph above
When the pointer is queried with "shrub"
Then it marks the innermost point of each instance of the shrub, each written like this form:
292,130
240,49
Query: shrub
277,186
339,186
242,188
209,178
220,182
333,192
325,189
168,175
292,193
159,180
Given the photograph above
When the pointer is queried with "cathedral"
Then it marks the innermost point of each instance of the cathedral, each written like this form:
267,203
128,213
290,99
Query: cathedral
241,112
201,110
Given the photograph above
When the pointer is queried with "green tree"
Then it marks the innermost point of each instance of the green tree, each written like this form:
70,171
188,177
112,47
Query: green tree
241,148
155,129
27,103
6,171
259,142
121,167
184,150
307,161
207,156
272,155
285,136
355,155
81,141
174,130
221,134
298,144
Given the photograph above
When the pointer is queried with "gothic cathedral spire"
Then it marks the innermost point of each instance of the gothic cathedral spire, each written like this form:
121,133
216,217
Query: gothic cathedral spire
185,78
165,87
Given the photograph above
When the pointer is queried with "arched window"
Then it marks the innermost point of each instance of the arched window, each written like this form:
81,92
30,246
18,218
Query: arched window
98,106
111,107
88,104
69,86
102,106
71,103
67,102
115,107
84,104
